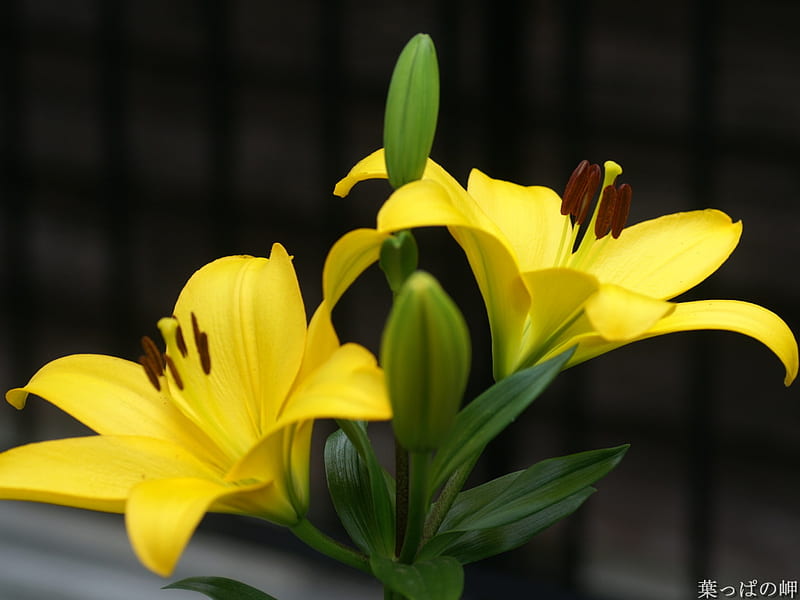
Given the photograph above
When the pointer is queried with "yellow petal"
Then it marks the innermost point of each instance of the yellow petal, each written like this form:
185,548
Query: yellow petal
162,514
727,315
557,300
349,385
347,259
529,218
112,396
95,473
253,314
618,314
666,256
370,167
742,317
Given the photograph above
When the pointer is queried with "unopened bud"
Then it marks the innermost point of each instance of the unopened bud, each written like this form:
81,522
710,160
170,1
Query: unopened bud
412,107
425,354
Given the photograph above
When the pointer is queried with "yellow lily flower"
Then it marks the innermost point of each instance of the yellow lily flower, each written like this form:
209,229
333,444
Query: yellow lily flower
220,422
546,289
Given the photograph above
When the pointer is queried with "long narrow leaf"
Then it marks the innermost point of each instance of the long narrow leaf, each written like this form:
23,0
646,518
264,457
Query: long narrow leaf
360,496
219,588
490,413
537,487
471,546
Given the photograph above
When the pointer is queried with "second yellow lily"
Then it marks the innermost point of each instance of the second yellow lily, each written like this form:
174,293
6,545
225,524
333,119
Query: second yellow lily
545,287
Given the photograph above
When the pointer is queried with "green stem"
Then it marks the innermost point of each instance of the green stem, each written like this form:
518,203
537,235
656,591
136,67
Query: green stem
444,502
325,544
401,495
418,497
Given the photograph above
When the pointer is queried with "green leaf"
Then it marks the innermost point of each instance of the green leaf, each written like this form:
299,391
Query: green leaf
219,588
490,413
511,498
471,546
441,578
359,493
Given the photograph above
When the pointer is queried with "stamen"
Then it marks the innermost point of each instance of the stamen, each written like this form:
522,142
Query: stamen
592,181
573,191
621,210
150,370
605,212
202,349
180,342
152,352
174,371
201,341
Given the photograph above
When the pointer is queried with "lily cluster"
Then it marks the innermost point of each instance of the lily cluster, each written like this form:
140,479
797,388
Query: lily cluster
219,417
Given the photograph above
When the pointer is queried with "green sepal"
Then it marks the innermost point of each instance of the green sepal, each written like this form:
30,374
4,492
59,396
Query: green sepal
484,418
219,588
441,578
359,490
398,259
475,545
412,109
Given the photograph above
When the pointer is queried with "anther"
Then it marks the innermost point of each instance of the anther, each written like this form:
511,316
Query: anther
590,188
202,350
573,192
174,371
180,342
153,354
201,341
150,371
621,210
605,212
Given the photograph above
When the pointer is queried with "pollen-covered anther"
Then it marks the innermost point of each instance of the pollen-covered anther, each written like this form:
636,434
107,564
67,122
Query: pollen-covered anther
173,370
612,213
201,342
580,190
152,362
180,342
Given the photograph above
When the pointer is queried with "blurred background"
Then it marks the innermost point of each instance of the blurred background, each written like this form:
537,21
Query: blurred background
141,139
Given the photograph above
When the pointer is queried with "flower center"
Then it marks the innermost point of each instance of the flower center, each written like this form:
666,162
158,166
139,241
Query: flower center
610,213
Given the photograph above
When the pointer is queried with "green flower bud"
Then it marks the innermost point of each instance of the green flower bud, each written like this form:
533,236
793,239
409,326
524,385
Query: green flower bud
412,107
425,354
398,258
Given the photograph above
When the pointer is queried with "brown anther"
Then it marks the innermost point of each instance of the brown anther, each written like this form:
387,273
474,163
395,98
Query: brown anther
201,342
180,342
202,350
154,354
150,370
621,210
573,191
590,188
605,212
174,371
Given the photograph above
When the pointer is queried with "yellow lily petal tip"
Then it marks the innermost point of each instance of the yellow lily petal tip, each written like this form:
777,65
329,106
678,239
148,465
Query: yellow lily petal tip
17,397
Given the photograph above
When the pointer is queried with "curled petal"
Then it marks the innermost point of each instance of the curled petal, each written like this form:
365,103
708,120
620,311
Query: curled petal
742,317
161,516
348,258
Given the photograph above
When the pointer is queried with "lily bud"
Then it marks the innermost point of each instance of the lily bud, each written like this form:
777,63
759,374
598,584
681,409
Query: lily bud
398,259
425,354
412,107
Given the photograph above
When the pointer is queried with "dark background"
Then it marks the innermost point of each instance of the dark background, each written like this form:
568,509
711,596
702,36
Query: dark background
142,139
